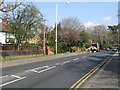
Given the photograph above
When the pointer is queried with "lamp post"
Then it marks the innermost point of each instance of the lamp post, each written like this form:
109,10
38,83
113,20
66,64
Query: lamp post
56,40
56,28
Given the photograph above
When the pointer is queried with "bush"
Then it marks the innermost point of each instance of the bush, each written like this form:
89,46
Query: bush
73,49
11,40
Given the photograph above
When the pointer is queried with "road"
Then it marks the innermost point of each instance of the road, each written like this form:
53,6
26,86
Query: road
58,73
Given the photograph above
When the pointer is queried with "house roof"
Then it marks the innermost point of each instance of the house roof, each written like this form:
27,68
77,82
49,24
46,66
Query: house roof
2,28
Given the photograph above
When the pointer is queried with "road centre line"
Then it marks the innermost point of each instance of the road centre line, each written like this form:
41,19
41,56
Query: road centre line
12,81
47,69
41,67
4,76
31,70
37,68
57,64
65,62
75,59
84,56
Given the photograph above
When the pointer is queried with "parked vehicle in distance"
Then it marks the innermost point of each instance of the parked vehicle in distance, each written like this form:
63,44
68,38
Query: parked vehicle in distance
114,49
107,49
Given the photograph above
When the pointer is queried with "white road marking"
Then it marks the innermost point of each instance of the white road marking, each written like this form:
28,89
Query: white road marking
4,76
65,62
116,54
84,56
16,76
12,81
41,67
34,69
57,64
31,70
75,59
46,69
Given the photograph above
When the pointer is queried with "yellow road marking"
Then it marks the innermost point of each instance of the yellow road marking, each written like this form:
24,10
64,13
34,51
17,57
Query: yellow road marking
88,76
78,83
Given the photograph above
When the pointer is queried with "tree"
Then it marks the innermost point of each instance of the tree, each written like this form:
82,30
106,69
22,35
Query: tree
114,33
84,38
6,7
24,22
72,23
98,34
52,37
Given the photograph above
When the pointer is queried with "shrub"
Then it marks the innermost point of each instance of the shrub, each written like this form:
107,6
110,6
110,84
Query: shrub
73,49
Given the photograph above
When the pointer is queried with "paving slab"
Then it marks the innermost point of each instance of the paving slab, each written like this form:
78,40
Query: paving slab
24,61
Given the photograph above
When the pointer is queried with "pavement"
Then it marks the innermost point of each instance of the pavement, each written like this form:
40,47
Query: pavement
56,72
107,76
46,58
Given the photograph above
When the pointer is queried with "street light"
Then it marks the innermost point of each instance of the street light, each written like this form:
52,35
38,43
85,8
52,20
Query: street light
56,27
56,40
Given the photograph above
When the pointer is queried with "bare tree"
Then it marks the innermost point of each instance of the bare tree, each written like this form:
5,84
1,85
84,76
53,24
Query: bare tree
72,23
68,36
6,7
98,34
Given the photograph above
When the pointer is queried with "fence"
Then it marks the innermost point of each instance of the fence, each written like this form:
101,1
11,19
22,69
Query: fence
20,53
10,51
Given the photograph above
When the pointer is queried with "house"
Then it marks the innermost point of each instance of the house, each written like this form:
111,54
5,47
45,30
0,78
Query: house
4,36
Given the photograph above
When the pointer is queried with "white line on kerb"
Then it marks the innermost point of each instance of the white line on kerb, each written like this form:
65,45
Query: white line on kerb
12,81
75,59
4,76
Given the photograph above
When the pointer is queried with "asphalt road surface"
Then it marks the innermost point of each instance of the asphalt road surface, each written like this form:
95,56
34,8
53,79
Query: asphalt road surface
58,73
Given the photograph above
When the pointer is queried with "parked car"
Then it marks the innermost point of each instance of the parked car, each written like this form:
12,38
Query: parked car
107,49
114,49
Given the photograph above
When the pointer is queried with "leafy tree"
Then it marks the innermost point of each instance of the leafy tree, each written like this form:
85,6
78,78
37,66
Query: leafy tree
84,38
52,37
114,33
24,22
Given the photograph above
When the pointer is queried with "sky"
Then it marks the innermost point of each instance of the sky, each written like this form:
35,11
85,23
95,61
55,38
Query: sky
89,13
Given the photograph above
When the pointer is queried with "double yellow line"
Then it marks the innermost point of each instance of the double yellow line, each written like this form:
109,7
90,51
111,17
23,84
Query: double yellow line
86,76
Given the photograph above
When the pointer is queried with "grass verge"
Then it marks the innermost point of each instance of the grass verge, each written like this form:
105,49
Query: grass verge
29,57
